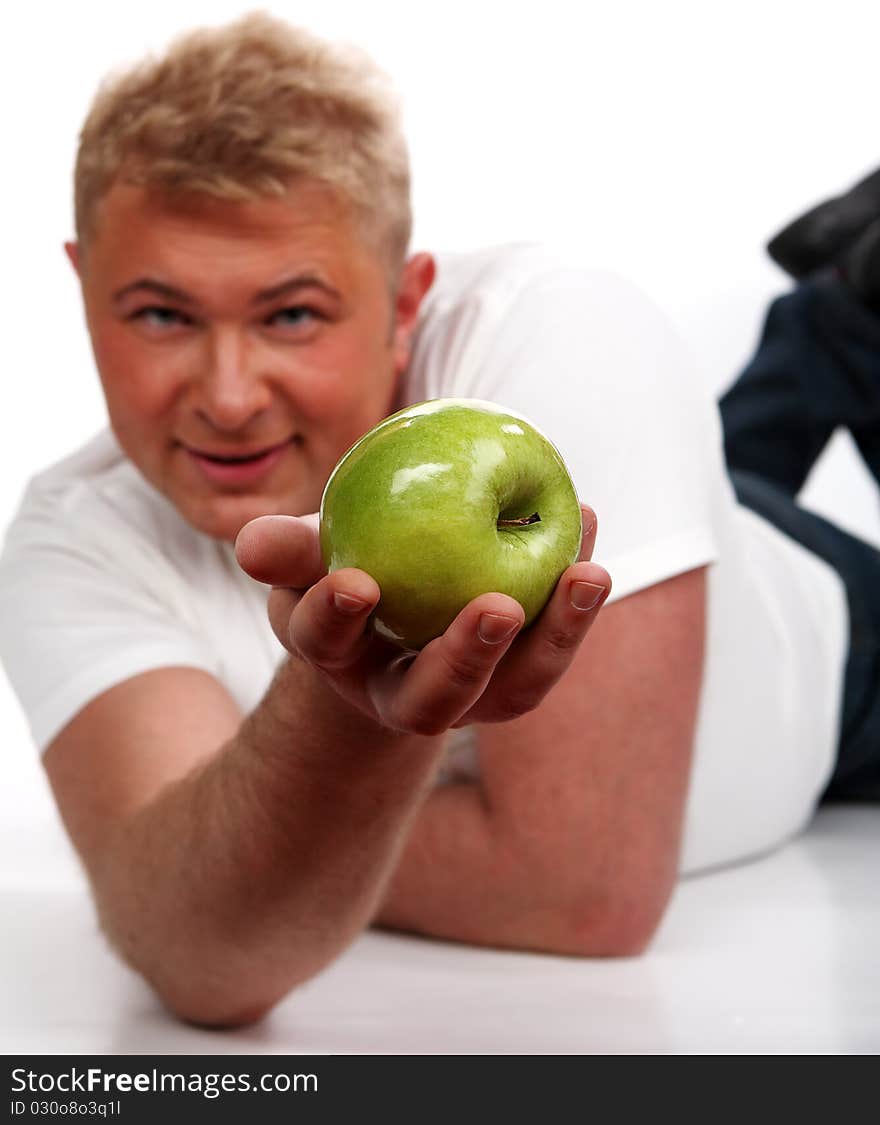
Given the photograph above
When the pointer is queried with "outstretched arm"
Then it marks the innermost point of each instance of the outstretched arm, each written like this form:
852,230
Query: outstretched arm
232,858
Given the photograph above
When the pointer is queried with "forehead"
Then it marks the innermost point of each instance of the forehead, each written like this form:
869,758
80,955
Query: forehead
195,236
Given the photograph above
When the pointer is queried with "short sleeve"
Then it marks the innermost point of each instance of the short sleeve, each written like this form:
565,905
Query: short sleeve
591,361
76,618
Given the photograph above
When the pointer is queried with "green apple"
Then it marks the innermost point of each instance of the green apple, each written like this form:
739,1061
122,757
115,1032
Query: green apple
446,500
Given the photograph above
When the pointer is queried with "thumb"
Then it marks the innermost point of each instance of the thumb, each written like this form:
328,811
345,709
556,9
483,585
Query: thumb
281,550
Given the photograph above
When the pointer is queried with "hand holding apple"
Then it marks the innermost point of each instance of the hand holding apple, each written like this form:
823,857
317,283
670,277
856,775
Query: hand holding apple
446,500
478,670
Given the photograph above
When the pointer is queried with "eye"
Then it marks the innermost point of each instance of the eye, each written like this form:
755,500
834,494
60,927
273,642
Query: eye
159,317
294,317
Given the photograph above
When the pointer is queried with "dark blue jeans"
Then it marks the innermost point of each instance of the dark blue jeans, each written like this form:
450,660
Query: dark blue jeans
817,367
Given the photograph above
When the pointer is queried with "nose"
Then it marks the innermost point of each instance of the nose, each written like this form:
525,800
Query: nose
231,391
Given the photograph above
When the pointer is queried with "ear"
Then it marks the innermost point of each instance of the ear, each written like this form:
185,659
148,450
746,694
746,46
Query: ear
71,249
416,279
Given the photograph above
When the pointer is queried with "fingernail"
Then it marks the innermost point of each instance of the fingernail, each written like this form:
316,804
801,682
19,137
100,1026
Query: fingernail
493,628
349,605
584,595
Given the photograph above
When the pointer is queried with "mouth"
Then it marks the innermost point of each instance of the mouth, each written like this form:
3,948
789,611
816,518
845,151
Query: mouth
238,456
239,466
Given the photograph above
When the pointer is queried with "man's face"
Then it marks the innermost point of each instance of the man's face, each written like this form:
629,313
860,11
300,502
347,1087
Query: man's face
242,347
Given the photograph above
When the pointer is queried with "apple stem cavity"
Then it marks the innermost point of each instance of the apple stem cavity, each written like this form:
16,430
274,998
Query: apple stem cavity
524,521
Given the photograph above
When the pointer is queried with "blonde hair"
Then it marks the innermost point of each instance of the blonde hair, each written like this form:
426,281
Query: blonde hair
242,112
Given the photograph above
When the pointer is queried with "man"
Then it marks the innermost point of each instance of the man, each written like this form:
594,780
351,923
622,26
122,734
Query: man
244,810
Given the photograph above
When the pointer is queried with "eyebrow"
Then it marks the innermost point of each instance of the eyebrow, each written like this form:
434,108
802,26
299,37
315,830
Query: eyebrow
284,288
148,285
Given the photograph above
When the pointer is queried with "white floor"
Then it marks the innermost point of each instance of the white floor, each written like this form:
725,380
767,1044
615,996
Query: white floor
777,956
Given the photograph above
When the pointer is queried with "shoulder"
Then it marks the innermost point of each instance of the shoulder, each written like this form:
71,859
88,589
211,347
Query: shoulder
535,294
501,274
100,580
92,517
527,309
497,270
94,494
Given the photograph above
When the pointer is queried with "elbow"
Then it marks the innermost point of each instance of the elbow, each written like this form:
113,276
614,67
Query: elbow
209,1014
617,924
211,1001
226,994
219,997
207,988
619,934
208,974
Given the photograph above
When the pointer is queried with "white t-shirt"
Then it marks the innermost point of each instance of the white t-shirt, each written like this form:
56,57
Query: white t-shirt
102,579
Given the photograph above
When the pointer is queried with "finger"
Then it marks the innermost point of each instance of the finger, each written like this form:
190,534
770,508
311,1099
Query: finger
281,550
545,652
588,533
327,626
282,602
450,674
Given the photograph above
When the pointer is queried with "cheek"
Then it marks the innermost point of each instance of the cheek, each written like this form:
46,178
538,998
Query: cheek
136,386
356,381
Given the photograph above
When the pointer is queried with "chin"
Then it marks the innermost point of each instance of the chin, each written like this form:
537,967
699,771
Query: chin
216,524
222,517
224,520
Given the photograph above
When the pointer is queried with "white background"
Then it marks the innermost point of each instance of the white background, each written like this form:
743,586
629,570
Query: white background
667,140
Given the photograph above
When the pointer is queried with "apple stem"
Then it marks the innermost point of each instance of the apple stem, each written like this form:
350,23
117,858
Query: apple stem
523,522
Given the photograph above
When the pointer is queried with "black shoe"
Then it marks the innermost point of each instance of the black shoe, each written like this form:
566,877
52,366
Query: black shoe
826,232
860,266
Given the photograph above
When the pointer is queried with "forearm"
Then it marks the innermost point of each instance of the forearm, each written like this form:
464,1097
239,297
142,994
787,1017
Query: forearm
257,868
468,874
450,880
462,877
